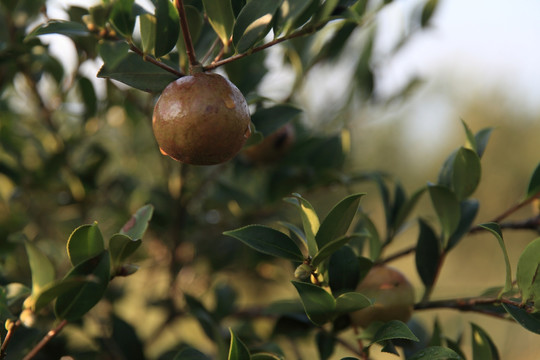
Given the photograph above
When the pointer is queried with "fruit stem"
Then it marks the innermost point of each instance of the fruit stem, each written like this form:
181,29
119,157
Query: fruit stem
194,65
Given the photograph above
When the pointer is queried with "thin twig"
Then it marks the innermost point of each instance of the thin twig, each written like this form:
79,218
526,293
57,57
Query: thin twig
7,339
52,333
471,304
211,50
150,59
190,51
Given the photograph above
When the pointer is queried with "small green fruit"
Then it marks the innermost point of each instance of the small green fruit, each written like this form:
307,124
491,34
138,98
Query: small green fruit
392,296
201,119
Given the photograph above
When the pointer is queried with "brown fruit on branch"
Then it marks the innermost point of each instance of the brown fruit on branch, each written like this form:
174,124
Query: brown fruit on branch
201,119
391,293
273,147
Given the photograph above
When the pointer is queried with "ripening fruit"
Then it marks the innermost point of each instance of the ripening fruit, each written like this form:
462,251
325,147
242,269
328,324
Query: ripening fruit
273,147
201,119
391,293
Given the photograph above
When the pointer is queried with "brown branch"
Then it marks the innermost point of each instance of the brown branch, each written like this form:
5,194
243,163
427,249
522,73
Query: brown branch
52,333
471,304
190,51
516,207
7,339
150,59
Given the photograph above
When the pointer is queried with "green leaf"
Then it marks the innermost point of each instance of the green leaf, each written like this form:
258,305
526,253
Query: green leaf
427,255
221,17
195,24
253,23
466,173
122,17
267,241
68,28
529,321
405,210
190,353
113,52
136,226
331,247
318,304
238,350
393,329
265,356
88,95
482,138
55,289
427,12
15,292
534,184
527,277
132,70
121,247
168,27
148,33
310,221
297,236
269,120
289,12
343,270
435,353
326,343
76,302
483,346
85,242
468,210
351,301
41,268
338,220
471,140
375,243
495,229
447,208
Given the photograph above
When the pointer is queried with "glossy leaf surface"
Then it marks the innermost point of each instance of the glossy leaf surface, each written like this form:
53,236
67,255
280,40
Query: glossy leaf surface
84,243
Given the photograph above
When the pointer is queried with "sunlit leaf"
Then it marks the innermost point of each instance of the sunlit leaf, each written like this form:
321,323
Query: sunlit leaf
268,241
495,229
55,289
41,268
288,13
221,17
122,17
121,247
318,304
483,346
85,242
136,226
310,221
68,28
76,302
338,220
253,23
237,349
527,277
351,301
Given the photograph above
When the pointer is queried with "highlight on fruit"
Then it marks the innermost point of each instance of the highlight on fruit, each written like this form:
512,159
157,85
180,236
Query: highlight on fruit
201,119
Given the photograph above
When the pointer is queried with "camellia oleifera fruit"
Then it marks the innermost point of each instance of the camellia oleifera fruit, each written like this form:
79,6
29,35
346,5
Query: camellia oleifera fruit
391,293
201,119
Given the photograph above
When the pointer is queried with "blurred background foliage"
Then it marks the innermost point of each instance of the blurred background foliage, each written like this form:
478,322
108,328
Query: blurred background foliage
76,149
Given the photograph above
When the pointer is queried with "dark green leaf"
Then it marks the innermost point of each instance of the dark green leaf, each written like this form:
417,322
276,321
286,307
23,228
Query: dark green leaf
203,316
393,329
122,17
253,23
268,241
447,208
136,226
225,300
483,346
221,17
297,236
495,229
41,268
318,304
84,243
76,302
126,340
427,255
265,356
529,321
237,350
88,95
288,13
405,210
468,210
113,52
190,354
255,65
338,220
332,247
436,353
343,270
534,184
310,221
269,120
121,247
351,301
68,28
375,243
135,72
427,12
148,33
55,289
325,344
482,138
168,27
466,173
527,277
446,172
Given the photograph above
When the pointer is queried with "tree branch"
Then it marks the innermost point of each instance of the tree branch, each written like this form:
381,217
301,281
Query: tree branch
471,304
150,59
7,339
52,333
190,51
